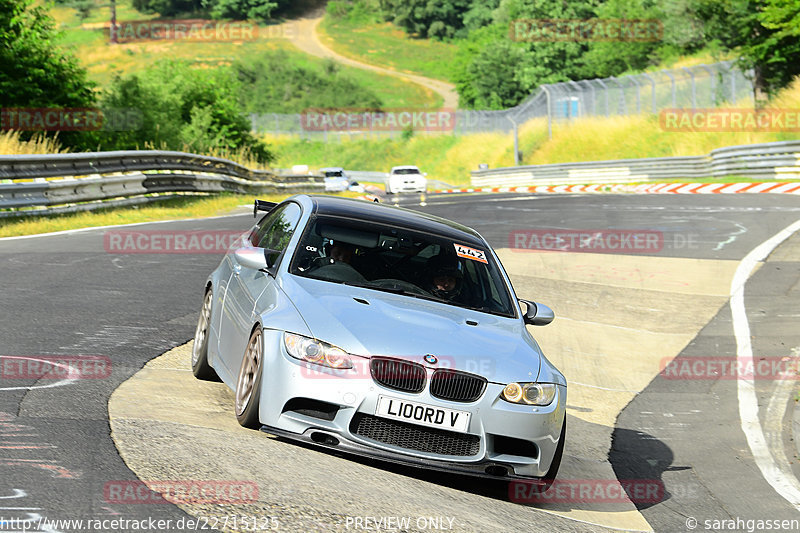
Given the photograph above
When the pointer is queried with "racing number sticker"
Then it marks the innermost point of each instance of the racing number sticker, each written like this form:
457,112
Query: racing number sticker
470,253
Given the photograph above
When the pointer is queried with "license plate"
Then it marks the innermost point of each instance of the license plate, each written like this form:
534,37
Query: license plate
424,415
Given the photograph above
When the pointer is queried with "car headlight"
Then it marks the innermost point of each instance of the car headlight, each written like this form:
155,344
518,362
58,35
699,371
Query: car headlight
529,393
316,352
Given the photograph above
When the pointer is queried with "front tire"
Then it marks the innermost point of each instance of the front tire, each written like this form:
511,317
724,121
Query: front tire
248,384
200,367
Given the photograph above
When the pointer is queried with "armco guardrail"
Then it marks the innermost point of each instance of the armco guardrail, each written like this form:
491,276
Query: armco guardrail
123,178
778,160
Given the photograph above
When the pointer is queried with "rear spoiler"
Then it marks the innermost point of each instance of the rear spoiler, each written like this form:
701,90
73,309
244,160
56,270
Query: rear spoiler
261,205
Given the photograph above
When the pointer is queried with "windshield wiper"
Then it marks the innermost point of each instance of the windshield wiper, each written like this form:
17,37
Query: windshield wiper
397,290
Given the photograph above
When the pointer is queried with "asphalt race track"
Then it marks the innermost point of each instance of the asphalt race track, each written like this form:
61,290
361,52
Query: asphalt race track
720,451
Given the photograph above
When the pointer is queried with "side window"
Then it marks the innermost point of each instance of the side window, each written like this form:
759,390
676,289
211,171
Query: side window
263,225
276,229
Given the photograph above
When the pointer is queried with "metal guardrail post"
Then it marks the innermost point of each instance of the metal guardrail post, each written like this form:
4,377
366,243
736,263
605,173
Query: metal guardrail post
549,112
712,81
621,96
694,87
674,90
605,90
653,91
638,95
580,93
516,141
594,95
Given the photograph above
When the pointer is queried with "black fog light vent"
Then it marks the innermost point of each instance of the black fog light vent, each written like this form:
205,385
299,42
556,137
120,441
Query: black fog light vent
313,408
512,446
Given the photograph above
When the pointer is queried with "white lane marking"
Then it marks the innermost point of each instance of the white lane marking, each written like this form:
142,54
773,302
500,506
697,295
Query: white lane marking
773,421
82,230
59,383
18,493
787,486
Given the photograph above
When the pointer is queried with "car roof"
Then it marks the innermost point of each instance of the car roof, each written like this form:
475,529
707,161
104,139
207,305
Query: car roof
394,216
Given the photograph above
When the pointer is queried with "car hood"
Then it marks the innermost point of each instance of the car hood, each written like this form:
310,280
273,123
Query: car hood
366,322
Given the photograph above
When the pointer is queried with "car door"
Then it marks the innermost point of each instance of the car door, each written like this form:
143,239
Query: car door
246,284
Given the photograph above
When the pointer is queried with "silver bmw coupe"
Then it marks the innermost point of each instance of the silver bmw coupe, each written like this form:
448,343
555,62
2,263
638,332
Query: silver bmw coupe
382,332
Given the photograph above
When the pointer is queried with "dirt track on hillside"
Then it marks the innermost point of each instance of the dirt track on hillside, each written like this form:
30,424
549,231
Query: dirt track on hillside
304,36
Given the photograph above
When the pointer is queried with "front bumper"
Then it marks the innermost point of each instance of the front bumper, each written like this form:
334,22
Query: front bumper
502,439
408,186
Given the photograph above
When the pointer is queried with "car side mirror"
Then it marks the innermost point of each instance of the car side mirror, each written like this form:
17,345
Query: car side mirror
537,314
257,258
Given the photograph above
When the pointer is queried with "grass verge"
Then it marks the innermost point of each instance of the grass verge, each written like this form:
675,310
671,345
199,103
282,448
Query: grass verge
177,208
386,45
11,143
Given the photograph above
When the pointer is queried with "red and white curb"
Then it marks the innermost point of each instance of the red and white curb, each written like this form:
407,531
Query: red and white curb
657,188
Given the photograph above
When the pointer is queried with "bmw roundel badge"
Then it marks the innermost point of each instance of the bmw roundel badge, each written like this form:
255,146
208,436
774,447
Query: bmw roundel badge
431,359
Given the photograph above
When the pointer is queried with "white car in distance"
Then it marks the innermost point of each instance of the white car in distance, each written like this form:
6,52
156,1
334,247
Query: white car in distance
406,178
336,180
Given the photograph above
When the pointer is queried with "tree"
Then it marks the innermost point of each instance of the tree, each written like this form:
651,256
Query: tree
427,18
783,16
168,8
486,74
514,62
181,108
763,33
241,9
34,72
611,58
218,9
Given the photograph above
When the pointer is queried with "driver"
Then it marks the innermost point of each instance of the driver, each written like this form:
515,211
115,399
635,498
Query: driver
342,253
339,252
446,278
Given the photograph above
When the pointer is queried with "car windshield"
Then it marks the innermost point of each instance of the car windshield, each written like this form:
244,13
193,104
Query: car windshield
401,261
406,171
334,174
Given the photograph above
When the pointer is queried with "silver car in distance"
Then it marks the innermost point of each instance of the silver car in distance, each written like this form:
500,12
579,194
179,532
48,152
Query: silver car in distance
386,333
